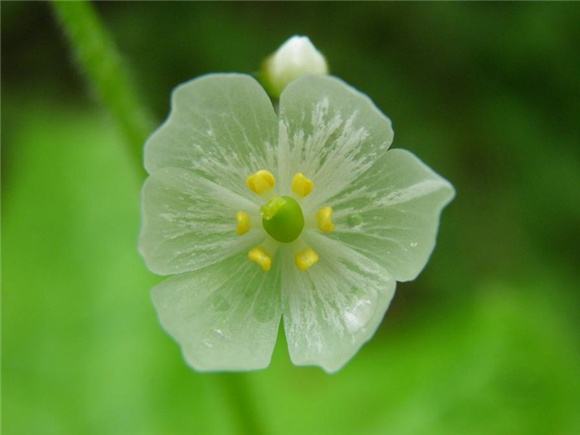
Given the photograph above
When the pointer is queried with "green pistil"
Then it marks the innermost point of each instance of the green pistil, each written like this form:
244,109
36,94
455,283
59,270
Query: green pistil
282,219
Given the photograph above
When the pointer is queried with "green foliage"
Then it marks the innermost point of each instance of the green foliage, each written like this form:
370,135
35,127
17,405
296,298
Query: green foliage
484,341
98,57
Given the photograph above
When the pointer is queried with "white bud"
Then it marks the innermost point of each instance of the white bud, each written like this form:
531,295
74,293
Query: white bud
295,58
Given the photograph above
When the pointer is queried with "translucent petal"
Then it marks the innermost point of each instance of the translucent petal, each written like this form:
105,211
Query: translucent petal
225,316
391,214
221,126
190,222
330,132
333,308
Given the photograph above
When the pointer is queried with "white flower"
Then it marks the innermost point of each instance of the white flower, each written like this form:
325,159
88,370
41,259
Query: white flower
304,216
295,58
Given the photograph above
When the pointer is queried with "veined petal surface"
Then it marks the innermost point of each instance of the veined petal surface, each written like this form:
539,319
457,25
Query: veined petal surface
224,316
391,213
189,222
334,307
330,132
221,126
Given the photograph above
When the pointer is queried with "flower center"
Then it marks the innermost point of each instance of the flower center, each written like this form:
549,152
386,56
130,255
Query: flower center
282,219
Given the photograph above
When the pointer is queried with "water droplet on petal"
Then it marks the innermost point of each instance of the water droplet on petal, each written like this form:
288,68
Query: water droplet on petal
357,317
354,221
263,311
207,342
220,333
220,303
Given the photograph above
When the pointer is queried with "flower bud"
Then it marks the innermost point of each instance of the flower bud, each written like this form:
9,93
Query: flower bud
295,58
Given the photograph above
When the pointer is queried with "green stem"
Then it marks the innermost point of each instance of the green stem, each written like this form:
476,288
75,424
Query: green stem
98,56
239,400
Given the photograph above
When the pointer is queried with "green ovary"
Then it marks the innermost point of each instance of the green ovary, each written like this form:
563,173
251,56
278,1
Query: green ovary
282,219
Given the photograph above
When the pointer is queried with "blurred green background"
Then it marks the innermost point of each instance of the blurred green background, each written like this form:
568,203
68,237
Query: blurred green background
485,341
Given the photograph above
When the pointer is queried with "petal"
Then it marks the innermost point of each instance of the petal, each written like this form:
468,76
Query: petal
330,132
334,307
221,126
391,214
190,222
225,316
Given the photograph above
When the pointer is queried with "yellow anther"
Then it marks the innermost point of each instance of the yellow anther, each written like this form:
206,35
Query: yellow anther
306,259
324,217
301,185
243,220
260,182
258,255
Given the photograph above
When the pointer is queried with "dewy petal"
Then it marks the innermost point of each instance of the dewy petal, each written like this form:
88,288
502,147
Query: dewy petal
330,132
225,316
391,214
334,307
190,222
221,126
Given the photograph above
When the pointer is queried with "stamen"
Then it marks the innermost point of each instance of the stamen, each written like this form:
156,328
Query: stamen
258,255
324,217
261,182
306,259
243,220
301,185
